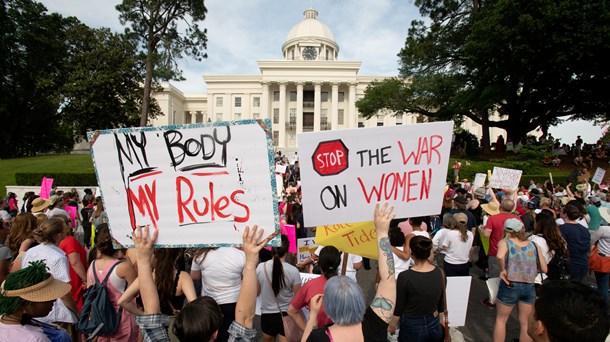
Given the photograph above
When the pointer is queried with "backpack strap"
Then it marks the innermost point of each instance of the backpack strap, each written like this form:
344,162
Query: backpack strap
97,280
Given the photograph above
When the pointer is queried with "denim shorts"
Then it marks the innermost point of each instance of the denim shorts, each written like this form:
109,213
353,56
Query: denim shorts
518,292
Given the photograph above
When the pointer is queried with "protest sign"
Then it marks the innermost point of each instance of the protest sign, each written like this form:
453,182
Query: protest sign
45,187
72,211
290,231
354,238
458,291
598,177
479,180
305,277
346,172
503,178
305,247
199,184
281,169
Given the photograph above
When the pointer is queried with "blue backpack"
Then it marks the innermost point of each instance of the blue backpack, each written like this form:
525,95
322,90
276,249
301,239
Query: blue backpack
98,316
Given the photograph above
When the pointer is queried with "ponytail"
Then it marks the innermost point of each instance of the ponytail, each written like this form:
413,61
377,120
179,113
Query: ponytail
277,276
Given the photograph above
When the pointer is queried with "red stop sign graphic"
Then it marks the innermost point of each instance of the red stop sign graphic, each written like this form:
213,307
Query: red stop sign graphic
330,158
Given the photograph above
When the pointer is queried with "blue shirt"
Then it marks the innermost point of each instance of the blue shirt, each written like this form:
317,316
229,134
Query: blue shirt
578,240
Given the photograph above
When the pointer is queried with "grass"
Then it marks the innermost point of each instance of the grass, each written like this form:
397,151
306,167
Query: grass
76,163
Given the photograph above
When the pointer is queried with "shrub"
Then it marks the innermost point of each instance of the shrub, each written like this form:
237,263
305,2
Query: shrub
74,179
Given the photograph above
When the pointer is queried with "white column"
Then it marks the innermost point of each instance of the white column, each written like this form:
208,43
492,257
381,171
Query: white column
282,126
299,108
334,111
193,116
316,106
265,101
353,114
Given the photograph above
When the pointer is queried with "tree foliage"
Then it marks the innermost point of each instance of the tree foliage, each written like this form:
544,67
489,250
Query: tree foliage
167,30
533,62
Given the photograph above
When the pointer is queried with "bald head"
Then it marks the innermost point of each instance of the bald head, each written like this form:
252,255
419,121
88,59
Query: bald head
507,205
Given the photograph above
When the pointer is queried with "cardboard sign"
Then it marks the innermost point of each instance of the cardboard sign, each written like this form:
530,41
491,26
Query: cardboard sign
354,238
598,177
199,184
346,172
305,247
503,178
479,181
290,231
45,187
458,291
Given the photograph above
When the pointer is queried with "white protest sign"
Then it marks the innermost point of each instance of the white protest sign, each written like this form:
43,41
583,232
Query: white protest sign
305,246
479,180
505,178
280,168
346,172
598,178
200,184
305,277
458,291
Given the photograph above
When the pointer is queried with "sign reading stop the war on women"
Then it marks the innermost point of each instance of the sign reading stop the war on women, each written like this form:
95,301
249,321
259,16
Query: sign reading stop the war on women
199,185
345,173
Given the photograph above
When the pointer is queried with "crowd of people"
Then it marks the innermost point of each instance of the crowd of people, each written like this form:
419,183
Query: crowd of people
541,241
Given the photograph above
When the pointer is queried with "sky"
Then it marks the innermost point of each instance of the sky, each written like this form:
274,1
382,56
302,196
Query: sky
240,32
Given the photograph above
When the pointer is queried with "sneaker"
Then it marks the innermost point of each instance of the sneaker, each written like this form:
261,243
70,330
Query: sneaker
487,304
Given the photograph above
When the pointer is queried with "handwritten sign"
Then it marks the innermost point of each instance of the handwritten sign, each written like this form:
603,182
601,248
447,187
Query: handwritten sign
598,177
354,238
503,178
479,180
305,247
45,187
346,172
280,168
199,184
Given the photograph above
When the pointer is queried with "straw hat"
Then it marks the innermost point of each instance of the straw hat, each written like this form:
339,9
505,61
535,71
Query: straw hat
40,204
605,213
491,208
45,291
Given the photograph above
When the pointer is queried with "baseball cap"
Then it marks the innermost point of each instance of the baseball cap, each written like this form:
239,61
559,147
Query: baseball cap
513,225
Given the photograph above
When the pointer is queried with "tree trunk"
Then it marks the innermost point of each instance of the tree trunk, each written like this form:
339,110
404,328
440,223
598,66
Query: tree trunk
485,130
147,86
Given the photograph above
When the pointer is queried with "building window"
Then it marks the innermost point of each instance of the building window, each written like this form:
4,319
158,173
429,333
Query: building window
340,116
276,137
276,96
187,117
237,101
341,96
218,116
360,124
276,116
256,116
293,96
380,124
237,116
398,123
324,96
293,117
219,101
256,102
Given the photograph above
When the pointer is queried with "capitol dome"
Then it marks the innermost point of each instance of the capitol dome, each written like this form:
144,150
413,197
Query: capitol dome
310,40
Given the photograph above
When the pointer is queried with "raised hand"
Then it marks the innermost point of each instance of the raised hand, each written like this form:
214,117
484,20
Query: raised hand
382,218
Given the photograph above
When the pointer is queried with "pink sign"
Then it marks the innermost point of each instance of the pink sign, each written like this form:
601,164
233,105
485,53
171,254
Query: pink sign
45,187
290,231
72,211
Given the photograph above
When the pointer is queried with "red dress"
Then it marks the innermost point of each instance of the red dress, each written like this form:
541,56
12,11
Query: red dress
70,245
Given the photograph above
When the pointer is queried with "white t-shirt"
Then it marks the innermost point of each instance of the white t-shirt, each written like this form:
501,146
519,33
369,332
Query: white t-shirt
291,277
602,237
221,271
18,332
544,250
439,239
352,259
400,265
458,251
421,233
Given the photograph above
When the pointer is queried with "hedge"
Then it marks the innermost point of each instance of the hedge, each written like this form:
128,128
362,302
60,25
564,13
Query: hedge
531,170
73,179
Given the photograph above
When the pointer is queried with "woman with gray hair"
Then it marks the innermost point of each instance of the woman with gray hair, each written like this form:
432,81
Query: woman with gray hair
343,300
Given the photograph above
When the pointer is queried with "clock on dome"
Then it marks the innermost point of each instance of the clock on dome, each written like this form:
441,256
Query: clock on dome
309,53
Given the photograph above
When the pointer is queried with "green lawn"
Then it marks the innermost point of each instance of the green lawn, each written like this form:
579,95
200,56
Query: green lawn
77,163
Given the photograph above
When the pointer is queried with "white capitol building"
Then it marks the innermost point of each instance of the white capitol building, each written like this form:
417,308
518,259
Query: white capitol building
310,89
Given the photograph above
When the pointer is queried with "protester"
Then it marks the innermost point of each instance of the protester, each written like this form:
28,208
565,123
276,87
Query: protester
5,253
457,245
419,297
122,274
86,213
567,311
578,240
49,235
551,245
28,294
343,299
518,274
99,215
593,211
601,237
13,207
77,257
397,241
438,240
220,269
278,281
329,261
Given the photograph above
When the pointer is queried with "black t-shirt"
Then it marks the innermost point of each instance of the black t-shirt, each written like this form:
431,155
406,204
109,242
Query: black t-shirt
373,329
419,294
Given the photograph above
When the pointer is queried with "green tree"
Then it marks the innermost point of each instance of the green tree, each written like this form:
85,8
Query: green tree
156,24
533,62
103,83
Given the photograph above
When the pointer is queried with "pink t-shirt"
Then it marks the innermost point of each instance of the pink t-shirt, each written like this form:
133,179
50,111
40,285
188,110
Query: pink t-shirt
406,228
17,332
